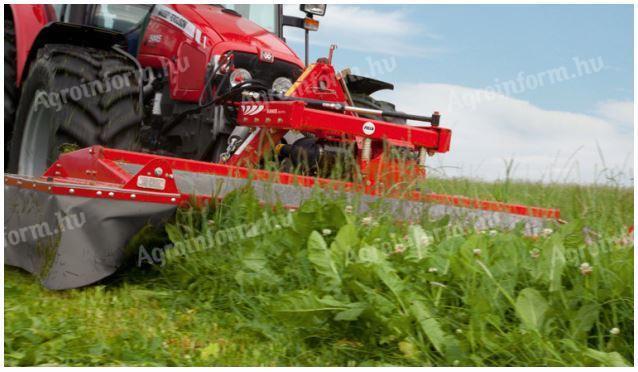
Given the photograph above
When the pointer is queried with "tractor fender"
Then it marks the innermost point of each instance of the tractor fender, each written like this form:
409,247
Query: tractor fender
28,20
365,85
73,34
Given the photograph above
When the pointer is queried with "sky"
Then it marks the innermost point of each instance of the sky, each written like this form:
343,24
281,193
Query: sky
547,86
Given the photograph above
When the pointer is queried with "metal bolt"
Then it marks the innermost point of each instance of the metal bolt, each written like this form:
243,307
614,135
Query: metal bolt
173,200
159,171
111,194
99,193
267,120
280,120
91,150
133,196
19,182
71,191
170,176
57,173
245,119
58,165
50,188
34,185
256,120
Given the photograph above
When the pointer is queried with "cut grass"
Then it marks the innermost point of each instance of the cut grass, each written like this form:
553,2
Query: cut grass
338,289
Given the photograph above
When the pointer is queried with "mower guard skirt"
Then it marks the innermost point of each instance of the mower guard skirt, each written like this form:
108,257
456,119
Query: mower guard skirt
68,241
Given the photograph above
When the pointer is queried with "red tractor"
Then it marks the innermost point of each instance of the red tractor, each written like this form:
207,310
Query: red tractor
147,78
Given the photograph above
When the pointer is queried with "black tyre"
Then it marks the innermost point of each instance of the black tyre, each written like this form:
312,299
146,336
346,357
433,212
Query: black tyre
10,89
74,97
364,100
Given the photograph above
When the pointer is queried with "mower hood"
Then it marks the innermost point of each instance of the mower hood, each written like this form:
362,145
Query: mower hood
240,34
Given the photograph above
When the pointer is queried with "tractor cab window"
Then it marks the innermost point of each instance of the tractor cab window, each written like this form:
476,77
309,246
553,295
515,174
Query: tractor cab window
264,15
119,17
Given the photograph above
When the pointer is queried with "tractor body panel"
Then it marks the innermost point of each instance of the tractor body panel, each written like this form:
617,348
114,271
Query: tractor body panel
184,39
28,21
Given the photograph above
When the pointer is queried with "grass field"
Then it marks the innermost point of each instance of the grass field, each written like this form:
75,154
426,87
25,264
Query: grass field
323,286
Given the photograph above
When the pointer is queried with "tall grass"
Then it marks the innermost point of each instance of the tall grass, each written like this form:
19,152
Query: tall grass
335,288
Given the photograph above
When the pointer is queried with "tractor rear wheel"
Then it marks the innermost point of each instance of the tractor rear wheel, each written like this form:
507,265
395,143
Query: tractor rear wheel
74,97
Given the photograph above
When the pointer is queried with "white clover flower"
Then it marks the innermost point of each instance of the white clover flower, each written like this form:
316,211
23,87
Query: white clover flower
614,331
492,232
459,331
278,227
399,248
348,209
366,221
586,269
547,232
433,270
535,253
325,232
477,252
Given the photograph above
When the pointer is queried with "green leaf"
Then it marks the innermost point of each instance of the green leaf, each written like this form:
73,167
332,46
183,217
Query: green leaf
174,233
584,319
419,241
429,325
531,307
612,359
354,311
321,258
210,351
370,254
552,262
345,242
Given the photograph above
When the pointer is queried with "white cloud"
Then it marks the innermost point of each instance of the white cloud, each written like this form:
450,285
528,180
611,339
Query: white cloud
620,112
366,30
545,145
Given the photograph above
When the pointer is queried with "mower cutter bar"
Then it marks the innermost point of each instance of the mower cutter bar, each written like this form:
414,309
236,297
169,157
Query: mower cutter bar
119,192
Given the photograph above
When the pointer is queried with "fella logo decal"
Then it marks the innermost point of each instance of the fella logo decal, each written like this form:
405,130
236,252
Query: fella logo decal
368,128
266,56
250,110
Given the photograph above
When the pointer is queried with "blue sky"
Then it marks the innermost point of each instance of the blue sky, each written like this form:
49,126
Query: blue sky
455,53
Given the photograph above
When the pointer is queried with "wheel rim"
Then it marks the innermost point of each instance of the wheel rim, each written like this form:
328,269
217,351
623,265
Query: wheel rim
35,147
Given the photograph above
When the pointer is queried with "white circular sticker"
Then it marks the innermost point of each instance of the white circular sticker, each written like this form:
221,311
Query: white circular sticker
368,128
